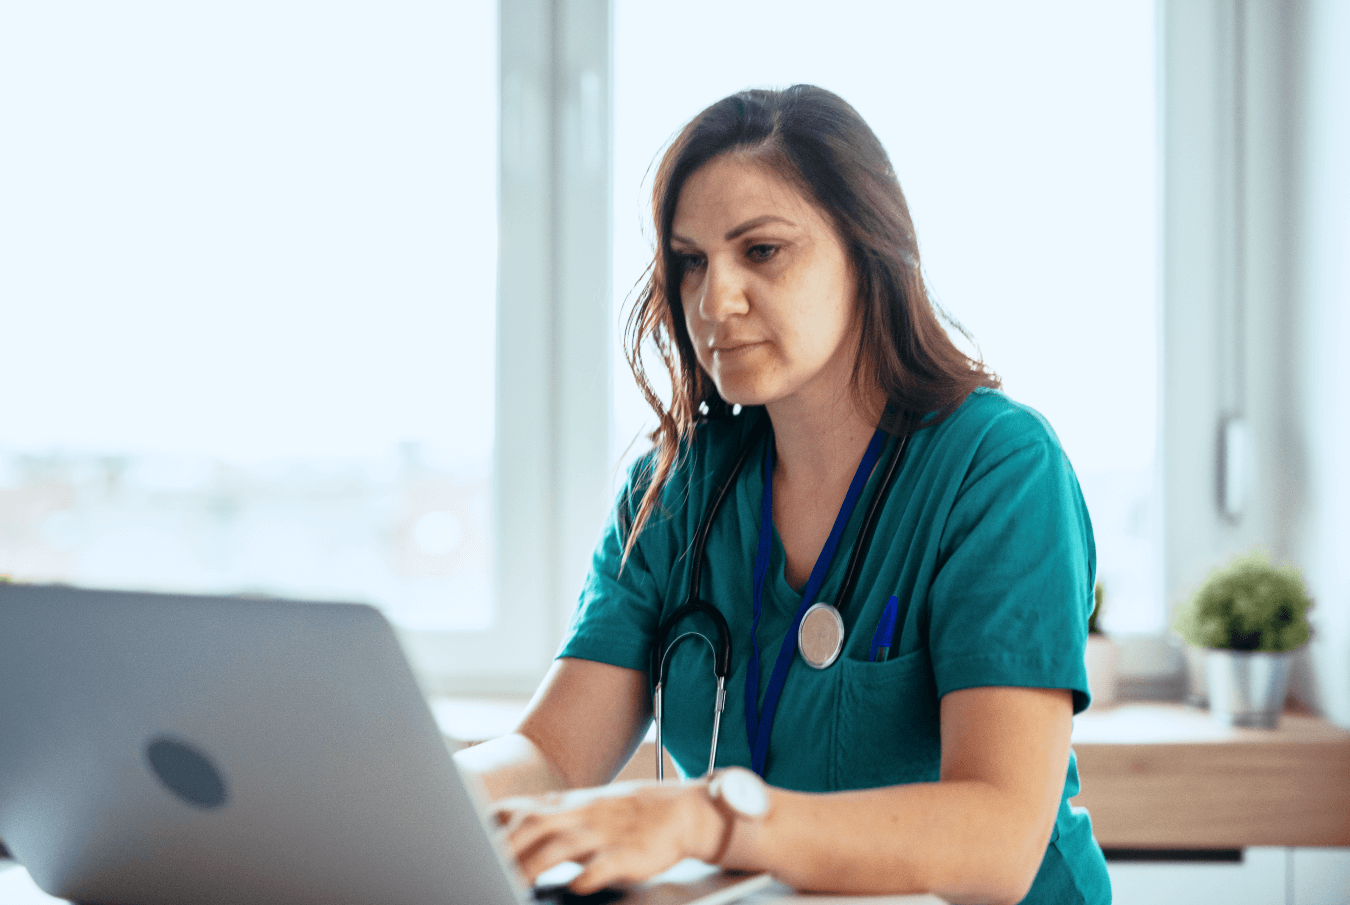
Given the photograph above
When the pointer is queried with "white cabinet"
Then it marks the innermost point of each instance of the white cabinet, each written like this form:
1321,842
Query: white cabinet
1265,876
1257,880
1319,876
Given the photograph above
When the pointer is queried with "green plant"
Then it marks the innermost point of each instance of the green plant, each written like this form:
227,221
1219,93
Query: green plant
1249,605
1098,595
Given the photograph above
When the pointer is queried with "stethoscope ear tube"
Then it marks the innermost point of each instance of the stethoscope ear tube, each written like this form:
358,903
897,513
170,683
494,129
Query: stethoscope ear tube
869,525
705,527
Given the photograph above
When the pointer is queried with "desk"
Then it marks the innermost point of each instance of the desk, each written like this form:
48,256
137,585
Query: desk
1165,776
17,888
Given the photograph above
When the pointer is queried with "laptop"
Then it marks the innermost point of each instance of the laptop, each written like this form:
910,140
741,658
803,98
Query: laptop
161,748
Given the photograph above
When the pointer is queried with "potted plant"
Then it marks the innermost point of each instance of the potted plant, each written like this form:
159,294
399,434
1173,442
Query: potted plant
1103,657
1249,617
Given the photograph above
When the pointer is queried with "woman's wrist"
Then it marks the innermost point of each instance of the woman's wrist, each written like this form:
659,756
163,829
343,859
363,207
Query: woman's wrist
742,799
710,827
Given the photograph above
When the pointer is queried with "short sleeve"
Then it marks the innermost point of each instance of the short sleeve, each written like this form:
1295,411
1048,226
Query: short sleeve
1010,601
620,602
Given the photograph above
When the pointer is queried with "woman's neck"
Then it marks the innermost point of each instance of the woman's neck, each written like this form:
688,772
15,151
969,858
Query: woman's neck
818,451
821,445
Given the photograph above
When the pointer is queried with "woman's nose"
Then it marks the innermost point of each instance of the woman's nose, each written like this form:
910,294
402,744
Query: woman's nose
724,293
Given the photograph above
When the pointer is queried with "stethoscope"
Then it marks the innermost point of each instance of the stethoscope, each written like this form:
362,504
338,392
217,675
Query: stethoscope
694,604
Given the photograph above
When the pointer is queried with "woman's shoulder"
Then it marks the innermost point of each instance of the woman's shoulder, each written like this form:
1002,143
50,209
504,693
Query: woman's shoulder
988,419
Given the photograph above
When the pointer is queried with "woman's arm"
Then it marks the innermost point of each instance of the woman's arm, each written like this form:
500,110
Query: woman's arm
978,834
582,726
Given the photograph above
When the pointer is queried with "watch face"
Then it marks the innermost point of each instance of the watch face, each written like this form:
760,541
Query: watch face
744,792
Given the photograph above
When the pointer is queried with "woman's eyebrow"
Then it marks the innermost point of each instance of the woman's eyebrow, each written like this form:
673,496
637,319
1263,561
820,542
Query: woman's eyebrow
757,221
739,230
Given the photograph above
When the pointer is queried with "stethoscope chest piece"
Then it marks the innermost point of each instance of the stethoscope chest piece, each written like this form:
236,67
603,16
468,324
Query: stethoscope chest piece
820,637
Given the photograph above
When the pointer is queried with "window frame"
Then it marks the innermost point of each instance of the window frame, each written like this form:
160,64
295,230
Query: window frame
551,479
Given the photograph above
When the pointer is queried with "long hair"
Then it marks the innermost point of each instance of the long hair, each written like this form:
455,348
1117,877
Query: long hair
814,140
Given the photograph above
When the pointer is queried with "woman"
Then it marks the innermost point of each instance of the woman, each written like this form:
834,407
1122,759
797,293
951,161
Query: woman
787,303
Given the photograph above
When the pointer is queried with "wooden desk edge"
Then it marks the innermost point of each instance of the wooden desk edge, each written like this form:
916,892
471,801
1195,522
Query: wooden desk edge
1217,788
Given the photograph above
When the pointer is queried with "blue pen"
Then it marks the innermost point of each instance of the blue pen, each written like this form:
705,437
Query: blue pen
881,641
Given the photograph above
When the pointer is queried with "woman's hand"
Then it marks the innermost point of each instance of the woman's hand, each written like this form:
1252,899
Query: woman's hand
620,834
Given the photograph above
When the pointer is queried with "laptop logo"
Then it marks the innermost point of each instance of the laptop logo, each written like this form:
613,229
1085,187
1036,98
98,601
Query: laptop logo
186,772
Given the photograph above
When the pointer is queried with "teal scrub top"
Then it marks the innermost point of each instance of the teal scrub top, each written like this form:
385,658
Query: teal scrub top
984,538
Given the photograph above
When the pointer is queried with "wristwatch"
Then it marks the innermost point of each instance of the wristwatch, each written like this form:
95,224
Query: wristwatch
740,795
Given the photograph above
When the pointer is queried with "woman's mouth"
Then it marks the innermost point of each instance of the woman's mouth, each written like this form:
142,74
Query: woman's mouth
731,349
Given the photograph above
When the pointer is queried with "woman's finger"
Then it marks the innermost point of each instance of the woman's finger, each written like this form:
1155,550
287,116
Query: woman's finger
619,835
619,867
552,850
502,811
602,872
512,815
530,830
541,841
629,852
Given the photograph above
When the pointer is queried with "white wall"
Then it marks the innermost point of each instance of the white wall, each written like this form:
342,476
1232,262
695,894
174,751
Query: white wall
1222,271
1257,300
1320,532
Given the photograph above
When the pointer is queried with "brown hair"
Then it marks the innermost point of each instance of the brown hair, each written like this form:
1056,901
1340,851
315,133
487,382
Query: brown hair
814,139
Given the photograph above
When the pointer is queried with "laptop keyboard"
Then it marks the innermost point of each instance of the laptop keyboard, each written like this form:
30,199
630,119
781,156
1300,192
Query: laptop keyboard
561,895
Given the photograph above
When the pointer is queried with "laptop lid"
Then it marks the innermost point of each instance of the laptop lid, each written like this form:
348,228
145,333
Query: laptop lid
166,749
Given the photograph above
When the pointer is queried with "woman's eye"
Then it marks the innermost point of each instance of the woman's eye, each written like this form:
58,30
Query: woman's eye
761,252
689,262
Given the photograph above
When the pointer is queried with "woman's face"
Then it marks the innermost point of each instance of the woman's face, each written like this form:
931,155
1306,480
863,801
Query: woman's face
768,291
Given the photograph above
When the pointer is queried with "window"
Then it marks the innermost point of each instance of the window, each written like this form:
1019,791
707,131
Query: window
249,279
1025,138
247,283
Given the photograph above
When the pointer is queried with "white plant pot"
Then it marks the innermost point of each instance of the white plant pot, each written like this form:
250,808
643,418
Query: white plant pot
1247,688
1103,666
1197,687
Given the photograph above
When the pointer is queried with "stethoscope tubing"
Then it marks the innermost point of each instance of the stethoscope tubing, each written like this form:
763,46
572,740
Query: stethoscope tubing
722,650
718,707
705,527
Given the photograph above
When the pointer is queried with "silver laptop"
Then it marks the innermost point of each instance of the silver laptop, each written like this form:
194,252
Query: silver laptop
168,749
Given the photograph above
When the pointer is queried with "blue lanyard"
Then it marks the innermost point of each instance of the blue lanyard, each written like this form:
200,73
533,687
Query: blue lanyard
757,725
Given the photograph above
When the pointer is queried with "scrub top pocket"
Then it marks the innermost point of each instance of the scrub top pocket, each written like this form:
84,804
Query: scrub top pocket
888,731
